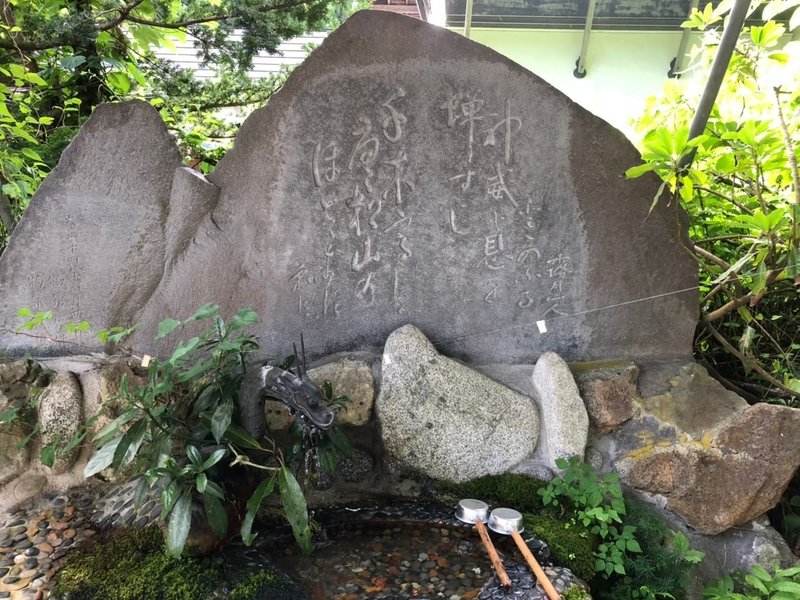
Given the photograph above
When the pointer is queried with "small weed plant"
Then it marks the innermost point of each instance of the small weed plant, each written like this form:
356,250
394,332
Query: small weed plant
758,584
598,505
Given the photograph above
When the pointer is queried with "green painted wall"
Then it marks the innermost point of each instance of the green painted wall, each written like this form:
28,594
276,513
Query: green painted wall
623,68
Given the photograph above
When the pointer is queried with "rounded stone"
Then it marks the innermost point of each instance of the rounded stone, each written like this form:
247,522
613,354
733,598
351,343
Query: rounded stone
60,418
445,420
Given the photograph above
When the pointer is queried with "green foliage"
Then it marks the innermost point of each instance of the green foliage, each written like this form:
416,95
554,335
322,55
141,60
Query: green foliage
661,570
59,59
598,505
575,593
571,544
132,565
742,194
178,427
758,584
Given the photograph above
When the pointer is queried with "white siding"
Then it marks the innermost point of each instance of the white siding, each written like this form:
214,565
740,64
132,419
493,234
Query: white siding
290,52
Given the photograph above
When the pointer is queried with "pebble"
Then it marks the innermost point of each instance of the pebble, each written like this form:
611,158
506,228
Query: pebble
29,538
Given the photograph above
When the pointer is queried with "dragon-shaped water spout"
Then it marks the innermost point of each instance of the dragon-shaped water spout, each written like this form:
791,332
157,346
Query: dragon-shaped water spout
302,397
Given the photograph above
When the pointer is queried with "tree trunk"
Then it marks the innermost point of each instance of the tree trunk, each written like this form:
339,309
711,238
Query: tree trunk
6,216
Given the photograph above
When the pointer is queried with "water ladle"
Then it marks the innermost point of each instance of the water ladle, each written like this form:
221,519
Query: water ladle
508,521
475,513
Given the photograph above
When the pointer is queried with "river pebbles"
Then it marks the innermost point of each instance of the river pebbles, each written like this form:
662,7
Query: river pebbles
34,540
412,560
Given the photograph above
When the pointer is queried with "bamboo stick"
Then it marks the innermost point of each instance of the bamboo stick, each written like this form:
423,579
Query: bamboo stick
551,592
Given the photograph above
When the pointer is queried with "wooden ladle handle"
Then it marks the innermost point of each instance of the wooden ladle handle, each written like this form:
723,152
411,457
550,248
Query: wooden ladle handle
493,556
551,592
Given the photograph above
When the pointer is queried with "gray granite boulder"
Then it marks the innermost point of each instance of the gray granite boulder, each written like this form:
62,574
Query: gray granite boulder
565,423
91,244
61,416
445,420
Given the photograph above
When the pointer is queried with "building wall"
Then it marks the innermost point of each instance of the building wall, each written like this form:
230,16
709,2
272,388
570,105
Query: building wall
290,52
623,68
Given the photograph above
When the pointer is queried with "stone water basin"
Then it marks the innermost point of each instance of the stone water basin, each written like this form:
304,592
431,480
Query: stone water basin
376,561
402,551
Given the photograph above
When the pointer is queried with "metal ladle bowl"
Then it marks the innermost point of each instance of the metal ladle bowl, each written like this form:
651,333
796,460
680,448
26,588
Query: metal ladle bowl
505,520
470,510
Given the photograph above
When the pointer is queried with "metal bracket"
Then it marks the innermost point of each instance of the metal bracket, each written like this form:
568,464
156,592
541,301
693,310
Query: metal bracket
577,72
580,64
677,65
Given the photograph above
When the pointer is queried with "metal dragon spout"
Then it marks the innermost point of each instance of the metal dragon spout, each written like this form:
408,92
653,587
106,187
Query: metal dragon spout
302,397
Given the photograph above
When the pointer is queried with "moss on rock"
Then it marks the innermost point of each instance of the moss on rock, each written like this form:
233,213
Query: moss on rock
512,489
131,565
571,544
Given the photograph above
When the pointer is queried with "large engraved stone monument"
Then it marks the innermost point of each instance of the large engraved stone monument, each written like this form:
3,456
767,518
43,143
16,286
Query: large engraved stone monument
405,174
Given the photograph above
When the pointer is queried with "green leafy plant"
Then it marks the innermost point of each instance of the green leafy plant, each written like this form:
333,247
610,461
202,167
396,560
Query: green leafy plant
599,506
661,570
758,584
35,324
179,427
742,194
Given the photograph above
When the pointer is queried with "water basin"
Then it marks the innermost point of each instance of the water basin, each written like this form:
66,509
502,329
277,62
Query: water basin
382,560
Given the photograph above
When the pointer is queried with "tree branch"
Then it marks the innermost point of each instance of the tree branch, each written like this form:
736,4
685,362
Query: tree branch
747,362
737,302
730,198
214,18
180,25
122,16
787,140
711,257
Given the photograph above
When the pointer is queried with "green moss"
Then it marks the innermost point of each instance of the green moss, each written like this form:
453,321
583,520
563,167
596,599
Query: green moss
131,565
571,544
511,489
576,592
254,586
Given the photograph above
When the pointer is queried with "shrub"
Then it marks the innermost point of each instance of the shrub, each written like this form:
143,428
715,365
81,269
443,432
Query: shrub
661,570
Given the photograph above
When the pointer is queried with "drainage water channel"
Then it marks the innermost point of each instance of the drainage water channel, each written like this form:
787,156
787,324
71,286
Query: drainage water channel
387,560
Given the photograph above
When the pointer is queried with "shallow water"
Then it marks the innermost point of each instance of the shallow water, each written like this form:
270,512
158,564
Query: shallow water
382,561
